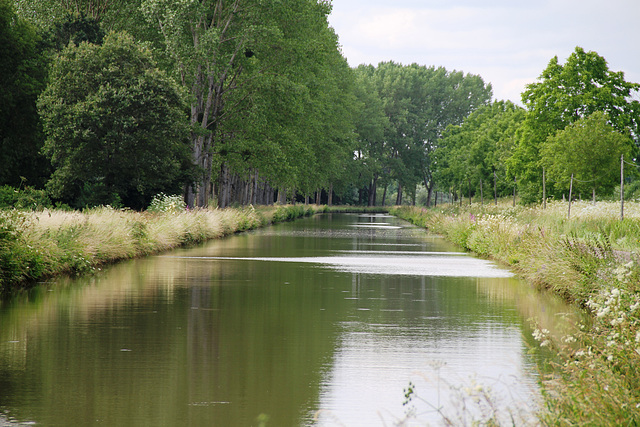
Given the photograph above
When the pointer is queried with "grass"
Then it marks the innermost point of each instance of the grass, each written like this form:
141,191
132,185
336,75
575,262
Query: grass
592,260
37,245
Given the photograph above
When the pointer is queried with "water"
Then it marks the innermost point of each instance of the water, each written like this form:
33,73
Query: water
324,321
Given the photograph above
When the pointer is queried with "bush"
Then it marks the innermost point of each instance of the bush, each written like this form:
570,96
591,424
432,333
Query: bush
163,203
25,198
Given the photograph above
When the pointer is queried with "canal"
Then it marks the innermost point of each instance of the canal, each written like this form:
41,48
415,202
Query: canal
325,321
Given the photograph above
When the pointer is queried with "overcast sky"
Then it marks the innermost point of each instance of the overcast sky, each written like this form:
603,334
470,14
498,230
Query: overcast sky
507,42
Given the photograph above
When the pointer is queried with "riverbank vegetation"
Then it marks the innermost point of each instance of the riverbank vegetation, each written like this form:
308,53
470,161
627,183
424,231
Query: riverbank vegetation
592,260
36,245
39,244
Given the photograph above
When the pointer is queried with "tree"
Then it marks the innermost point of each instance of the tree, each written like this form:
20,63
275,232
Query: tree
565,94
588,149
22,78
420,102
207,42
371,124
115,125
475,151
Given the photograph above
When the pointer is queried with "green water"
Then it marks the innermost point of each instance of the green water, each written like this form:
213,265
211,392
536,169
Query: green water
323,321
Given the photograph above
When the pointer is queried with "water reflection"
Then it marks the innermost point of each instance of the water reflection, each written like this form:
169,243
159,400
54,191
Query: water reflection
311,322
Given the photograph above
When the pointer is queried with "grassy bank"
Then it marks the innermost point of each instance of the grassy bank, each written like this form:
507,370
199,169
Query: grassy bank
37,245
591,260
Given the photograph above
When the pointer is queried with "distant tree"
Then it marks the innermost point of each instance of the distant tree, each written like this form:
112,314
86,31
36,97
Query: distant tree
563,95
420,102
477,149
115,125
23,66
590,149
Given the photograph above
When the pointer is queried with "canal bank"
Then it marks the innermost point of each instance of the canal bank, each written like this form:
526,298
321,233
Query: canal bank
38,245
590,260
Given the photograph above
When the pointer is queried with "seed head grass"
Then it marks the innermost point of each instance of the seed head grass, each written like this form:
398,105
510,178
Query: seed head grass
38,245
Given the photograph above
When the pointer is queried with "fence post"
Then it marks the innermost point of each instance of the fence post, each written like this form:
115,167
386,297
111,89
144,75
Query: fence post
570,195
495,188
621,187
544,189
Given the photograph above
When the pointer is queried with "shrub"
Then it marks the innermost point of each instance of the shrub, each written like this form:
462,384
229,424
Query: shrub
163,203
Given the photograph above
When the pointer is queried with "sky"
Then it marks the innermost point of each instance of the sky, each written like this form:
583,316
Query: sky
507,42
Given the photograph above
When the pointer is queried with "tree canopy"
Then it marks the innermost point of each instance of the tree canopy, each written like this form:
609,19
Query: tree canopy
22,77
589,150
253,101
113,123
565,94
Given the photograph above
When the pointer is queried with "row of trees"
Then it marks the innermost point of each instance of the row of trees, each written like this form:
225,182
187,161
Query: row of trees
243,101
578,120
232,99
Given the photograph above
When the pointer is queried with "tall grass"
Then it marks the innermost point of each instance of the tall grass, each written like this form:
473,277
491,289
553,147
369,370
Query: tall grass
591,260
38,245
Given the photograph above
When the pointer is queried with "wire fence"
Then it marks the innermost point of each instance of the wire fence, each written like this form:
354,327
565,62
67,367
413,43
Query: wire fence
451,196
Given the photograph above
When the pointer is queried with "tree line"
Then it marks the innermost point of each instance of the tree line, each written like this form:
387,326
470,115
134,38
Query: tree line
252,102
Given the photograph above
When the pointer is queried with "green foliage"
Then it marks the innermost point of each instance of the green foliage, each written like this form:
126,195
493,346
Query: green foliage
478,148
115,125
289,213
19,260
565,94
23,66
590,149
76,29
163,203
419,103
24,198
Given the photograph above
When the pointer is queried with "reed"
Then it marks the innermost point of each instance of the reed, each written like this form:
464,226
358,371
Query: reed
591,259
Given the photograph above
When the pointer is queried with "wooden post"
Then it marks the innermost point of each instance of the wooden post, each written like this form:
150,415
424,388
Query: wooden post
621,187
469,182
570,195
515,181
544,189
495,188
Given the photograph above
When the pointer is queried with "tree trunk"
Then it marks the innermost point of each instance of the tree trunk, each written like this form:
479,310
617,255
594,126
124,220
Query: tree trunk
224,187
384,195
330,195
373,188
399,197
428,184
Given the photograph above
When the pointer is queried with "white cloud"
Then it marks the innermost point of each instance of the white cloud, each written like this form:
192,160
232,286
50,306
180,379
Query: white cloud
507,42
